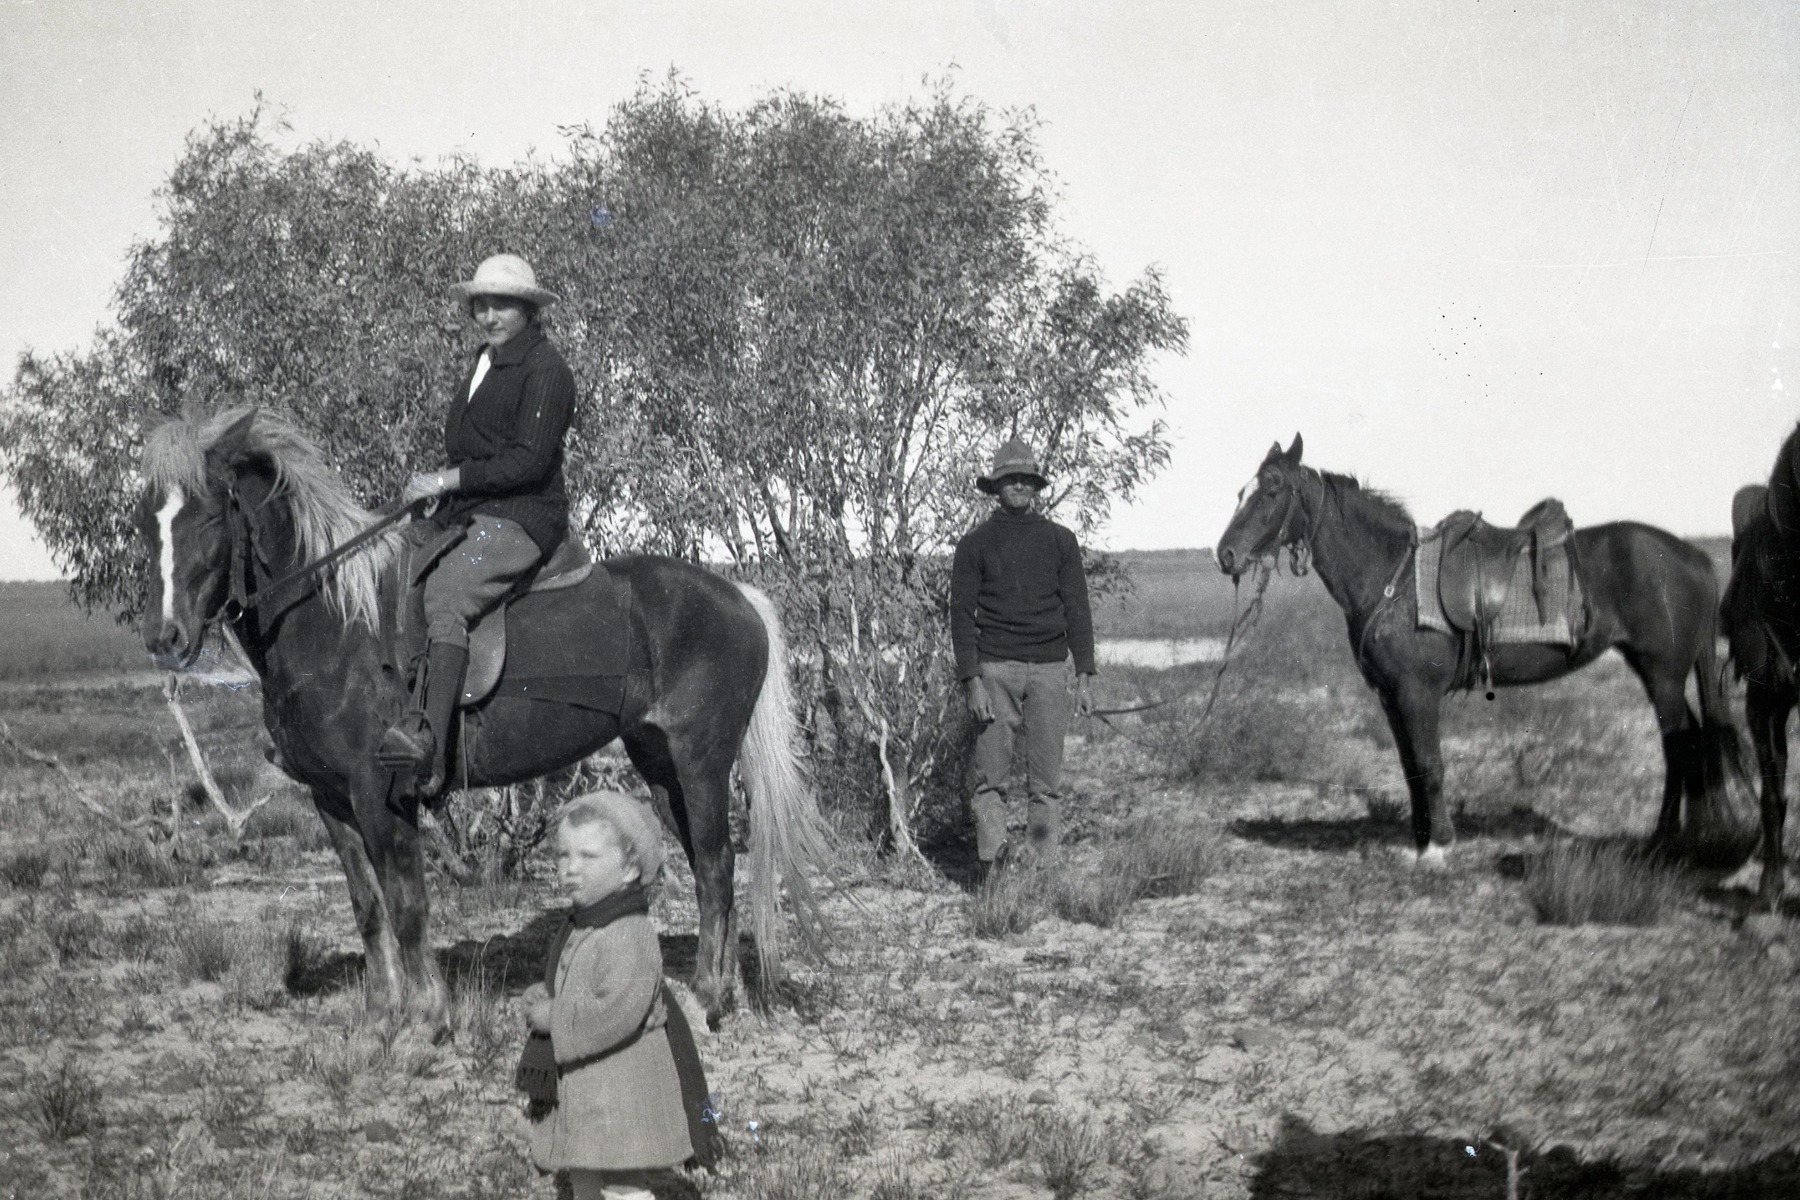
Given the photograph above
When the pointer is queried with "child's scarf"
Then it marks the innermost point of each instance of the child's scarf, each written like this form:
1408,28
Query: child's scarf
538,1070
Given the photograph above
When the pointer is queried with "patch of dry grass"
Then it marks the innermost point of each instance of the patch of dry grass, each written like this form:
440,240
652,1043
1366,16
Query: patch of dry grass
1575,883
66,1102
1146,858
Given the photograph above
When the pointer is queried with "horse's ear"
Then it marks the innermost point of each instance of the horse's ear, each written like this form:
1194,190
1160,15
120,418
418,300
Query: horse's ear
1274,454
1293,452
231,446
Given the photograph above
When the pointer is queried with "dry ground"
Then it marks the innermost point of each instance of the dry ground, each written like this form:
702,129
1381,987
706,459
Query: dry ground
1313,1018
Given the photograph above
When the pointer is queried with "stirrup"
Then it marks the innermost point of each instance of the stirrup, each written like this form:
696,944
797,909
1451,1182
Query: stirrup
408,744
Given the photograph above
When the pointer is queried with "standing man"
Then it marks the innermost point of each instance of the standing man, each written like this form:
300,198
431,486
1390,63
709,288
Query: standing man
1018,611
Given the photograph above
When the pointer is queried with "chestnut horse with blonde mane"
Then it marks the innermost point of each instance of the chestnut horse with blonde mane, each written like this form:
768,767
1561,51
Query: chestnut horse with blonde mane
236,502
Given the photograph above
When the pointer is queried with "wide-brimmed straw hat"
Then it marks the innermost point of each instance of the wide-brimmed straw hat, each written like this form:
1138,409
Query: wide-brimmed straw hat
633,819
1014,458
504,275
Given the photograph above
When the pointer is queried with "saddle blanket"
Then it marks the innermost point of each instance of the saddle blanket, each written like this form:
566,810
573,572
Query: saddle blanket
570,653
1519,621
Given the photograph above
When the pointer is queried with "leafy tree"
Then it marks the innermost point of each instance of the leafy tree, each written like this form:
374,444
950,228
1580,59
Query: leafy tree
798,334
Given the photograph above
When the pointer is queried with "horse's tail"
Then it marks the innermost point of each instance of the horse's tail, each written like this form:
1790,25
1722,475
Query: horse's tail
787,833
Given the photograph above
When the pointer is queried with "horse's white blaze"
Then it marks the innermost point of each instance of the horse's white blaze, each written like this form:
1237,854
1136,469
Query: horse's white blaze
1244,494
165,534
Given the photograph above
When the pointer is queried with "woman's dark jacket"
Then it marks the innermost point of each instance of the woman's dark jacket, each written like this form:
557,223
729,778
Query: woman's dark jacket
507,439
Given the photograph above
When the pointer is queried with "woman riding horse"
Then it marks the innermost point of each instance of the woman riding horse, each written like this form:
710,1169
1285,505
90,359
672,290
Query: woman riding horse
503,437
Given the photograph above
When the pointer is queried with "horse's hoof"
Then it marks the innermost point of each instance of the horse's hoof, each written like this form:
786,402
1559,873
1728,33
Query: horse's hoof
1748,878
1433,858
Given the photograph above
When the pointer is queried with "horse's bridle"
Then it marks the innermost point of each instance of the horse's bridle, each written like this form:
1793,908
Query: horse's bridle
241,600
1299,545
1295,543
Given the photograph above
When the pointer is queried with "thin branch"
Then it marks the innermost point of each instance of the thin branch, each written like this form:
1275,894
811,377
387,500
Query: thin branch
51,760
234,818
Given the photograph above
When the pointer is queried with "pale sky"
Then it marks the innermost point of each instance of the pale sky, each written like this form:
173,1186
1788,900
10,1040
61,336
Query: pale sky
1477,253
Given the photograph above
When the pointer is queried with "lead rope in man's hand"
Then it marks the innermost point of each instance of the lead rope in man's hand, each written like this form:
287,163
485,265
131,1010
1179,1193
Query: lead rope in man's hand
1241,622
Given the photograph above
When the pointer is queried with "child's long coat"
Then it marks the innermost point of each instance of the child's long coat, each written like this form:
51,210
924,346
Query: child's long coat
624,1110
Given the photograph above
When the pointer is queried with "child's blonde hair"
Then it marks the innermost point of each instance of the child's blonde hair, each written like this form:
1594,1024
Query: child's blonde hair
636,826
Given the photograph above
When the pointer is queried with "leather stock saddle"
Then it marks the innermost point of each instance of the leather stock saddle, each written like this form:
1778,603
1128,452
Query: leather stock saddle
567,567
1479,559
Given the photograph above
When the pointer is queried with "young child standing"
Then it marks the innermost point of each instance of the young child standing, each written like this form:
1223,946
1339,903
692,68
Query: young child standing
618,1094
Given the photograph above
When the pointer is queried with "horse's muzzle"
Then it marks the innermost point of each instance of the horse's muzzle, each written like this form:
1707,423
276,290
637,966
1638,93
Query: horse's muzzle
169,645
1228,562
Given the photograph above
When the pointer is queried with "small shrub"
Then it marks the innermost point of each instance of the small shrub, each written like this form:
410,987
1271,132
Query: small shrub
137,1019
893,1180
1165,858
74,935
1003,1135
261,962
488,834
270,855
127,861
21,948
858,1136
65,1103
304,959
479,1020
373,1043
1098,899
1253,732
138,937
25,868
203,949
1573,883
1150,858
1010,902
809,1174
1067,1150
336,1069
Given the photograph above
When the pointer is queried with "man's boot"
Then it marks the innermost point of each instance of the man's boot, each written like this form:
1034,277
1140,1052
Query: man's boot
420,740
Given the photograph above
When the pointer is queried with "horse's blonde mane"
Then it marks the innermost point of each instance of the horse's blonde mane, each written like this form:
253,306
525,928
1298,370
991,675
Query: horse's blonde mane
323,513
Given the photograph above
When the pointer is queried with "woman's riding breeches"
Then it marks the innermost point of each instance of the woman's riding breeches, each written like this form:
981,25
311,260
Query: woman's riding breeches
474,574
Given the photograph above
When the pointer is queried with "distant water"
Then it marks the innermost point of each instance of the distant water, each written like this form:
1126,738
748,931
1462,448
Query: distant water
1159,652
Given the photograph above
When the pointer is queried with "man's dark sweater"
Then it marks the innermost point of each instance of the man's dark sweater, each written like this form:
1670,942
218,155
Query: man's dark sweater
1017,593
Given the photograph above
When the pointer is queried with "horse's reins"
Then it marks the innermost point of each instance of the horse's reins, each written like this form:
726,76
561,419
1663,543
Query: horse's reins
1241,620
242,601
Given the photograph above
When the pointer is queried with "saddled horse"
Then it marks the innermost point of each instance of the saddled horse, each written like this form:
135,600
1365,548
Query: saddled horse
1650,595
1760,613
237,502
